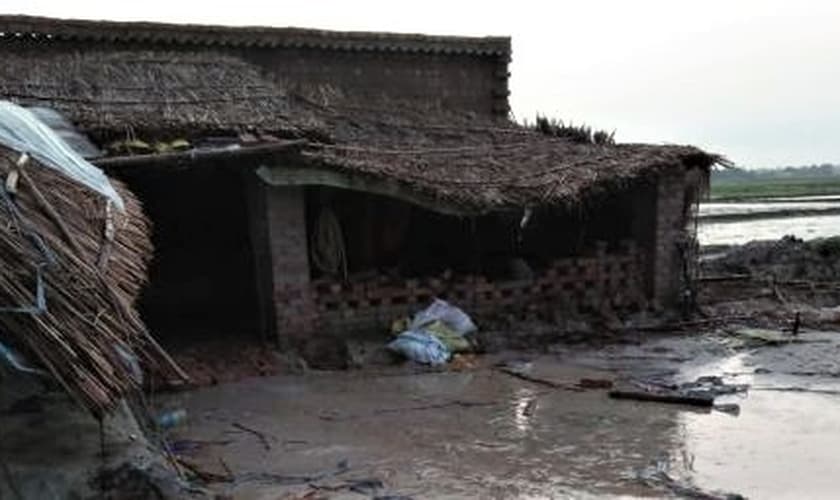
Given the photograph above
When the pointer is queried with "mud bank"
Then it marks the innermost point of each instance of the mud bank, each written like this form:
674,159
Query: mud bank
786,259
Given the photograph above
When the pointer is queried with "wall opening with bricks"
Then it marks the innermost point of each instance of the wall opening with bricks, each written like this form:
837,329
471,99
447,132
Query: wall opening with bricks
399,256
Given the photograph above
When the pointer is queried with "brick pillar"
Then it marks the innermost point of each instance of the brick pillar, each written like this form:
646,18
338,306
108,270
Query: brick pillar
281,255
670,232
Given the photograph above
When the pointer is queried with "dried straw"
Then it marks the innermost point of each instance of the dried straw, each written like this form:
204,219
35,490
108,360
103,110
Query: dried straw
90,330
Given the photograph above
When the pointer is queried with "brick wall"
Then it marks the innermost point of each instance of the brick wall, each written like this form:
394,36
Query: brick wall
279,239
670,233
585,284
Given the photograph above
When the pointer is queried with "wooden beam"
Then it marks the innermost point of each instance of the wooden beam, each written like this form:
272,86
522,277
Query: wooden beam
197,155
319,176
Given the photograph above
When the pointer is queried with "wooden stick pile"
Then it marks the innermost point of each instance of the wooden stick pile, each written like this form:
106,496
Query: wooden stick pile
92,261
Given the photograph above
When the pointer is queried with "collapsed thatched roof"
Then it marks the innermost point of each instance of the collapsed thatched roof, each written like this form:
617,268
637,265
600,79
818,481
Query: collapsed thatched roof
479,164
150,93
71,267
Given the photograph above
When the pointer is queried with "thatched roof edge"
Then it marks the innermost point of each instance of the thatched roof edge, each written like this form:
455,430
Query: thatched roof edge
17,27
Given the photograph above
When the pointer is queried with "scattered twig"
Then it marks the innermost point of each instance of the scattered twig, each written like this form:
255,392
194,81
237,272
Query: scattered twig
536,380
203,475
261,436
226,468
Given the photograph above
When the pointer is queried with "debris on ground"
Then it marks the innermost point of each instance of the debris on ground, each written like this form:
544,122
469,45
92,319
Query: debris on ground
171,418
218,359
701,392
434,334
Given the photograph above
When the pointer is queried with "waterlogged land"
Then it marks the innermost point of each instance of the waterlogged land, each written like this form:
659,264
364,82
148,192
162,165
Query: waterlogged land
482,433
739,212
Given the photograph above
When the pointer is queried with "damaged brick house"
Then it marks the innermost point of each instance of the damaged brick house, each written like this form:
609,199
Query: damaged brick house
305,182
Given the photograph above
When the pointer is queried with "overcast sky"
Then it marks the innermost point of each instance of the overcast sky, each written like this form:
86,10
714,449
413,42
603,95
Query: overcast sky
756,80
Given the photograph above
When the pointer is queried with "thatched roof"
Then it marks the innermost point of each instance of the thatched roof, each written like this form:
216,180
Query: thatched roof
475,164
40,29
117,94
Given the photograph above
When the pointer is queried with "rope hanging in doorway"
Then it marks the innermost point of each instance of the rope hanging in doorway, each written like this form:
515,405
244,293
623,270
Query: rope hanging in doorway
328,251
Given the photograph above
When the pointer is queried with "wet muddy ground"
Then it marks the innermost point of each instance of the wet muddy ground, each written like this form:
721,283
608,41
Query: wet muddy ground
483,433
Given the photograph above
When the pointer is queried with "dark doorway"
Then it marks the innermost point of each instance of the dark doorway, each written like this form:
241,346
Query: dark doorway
201,280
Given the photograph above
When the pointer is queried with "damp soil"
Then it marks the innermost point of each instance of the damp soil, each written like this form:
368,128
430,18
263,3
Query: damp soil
482,433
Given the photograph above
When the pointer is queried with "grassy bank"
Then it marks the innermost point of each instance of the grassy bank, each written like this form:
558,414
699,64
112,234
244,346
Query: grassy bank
772,188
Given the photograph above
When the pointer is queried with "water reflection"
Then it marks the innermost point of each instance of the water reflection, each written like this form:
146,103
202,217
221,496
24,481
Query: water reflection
524,406
537,443
740,232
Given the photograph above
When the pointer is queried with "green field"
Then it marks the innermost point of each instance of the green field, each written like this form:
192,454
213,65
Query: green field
772,188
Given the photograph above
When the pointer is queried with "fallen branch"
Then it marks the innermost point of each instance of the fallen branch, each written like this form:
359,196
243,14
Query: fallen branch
680,399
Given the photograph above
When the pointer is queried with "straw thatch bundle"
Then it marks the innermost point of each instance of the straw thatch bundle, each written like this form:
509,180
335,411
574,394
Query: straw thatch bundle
92,262
151,94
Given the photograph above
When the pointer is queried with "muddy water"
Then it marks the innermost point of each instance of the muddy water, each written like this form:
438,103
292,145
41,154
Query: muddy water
485,434
736,223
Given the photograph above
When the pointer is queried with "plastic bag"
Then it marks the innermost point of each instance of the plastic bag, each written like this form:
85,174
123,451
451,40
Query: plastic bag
442,311
453,340
421,347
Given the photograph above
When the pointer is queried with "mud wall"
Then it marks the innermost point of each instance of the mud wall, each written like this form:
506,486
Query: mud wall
671,236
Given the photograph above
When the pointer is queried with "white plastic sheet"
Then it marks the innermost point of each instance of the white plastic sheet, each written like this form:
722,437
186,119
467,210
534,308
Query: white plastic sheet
22,131
440,310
